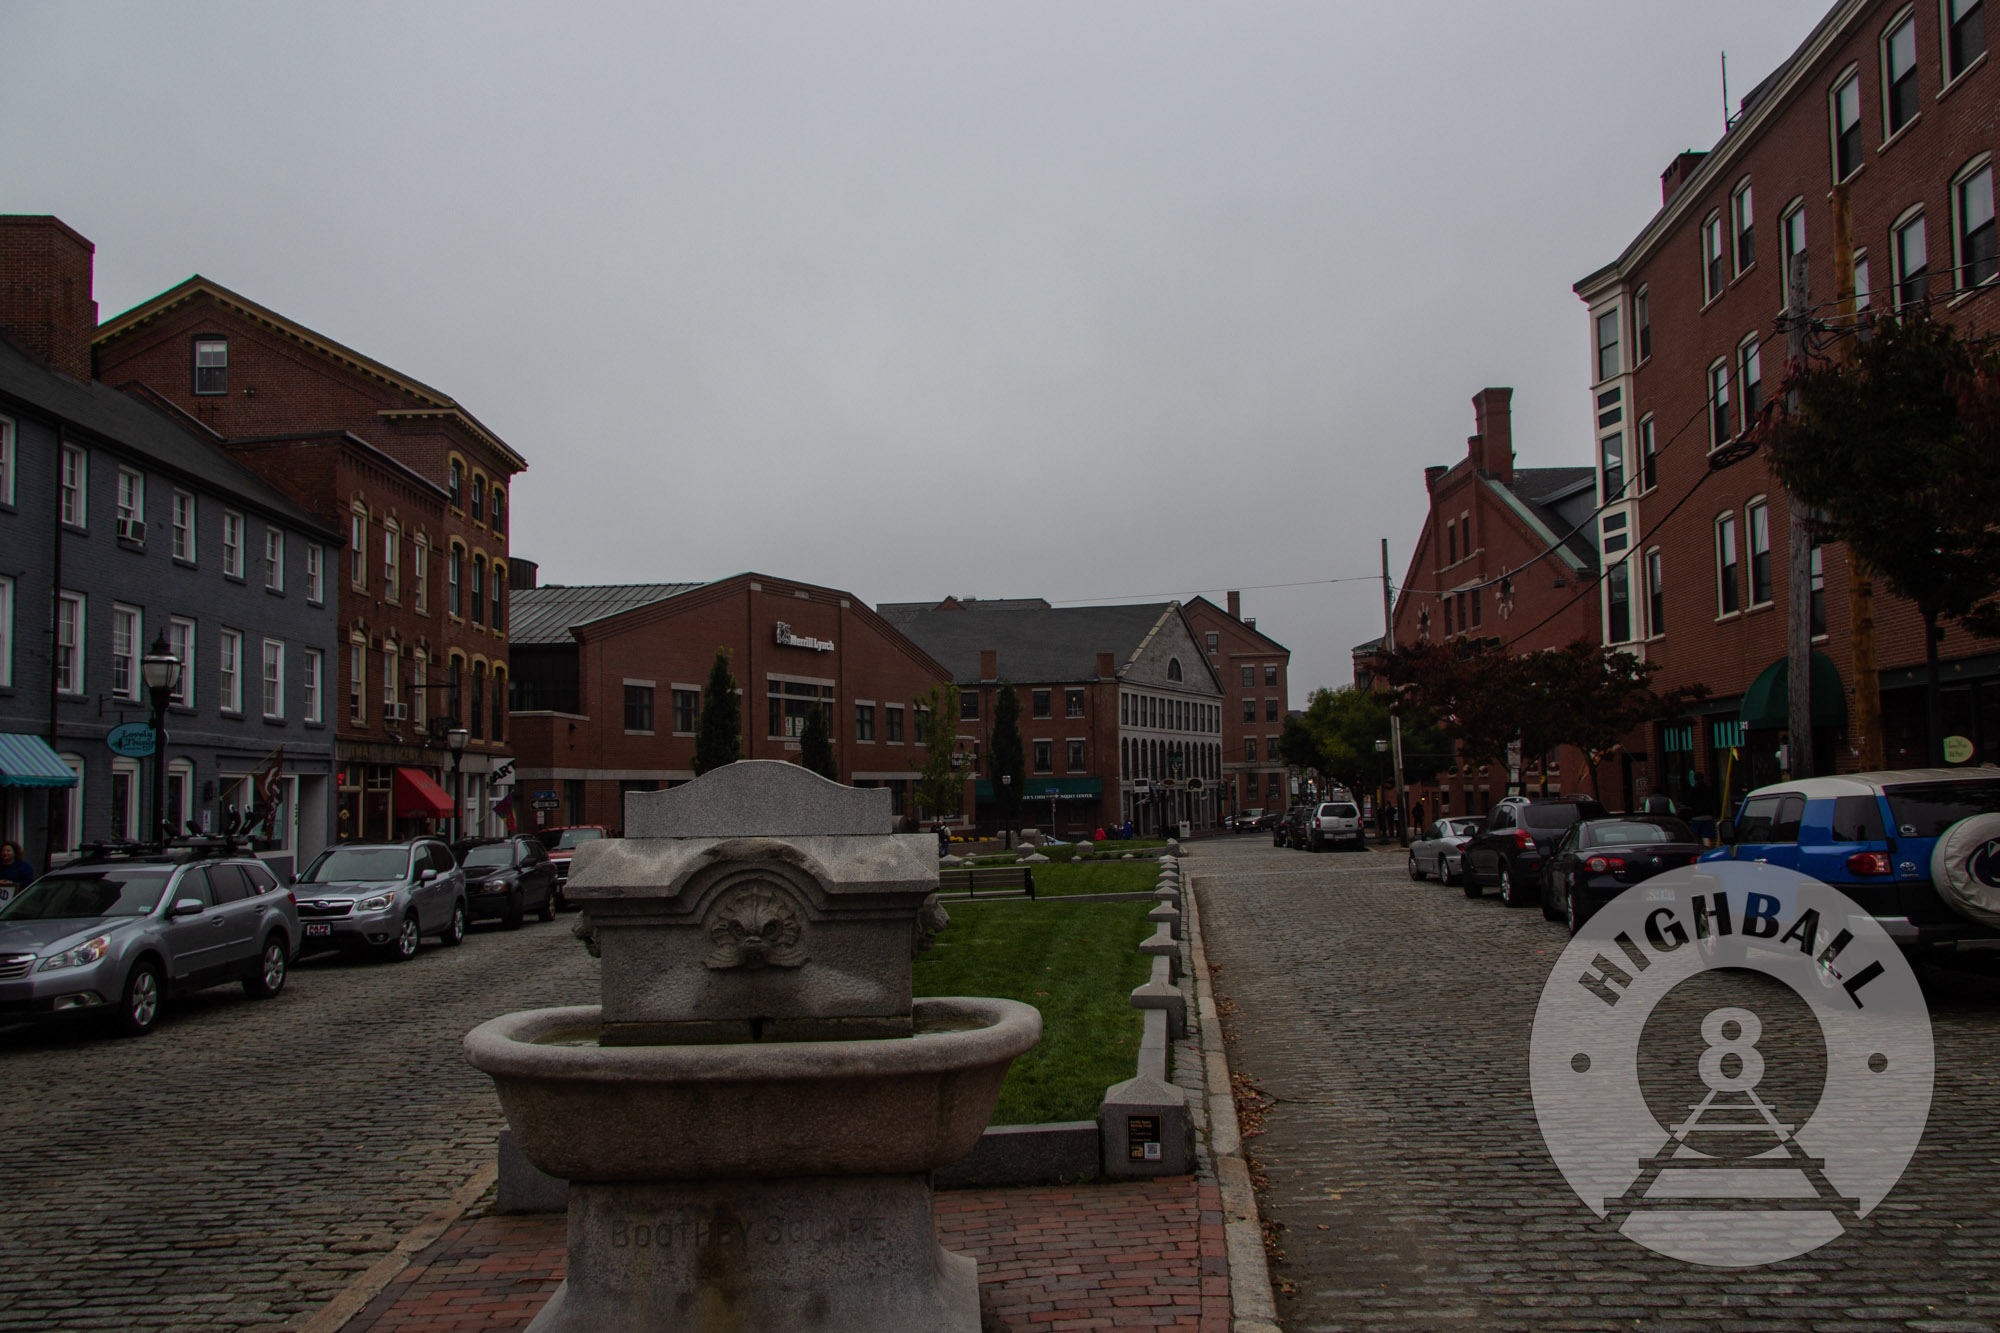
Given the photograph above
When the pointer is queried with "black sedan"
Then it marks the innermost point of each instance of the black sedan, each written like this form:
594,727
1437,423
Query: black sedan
507,876
1599,859
1518,835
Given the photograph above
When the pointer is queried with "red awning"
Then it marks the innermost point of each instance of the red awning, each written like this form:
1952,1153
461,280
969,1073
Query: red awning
416,794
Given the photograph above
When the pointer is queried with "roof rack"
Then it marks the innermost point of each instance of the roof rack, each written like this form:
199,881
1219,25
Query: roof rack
199,847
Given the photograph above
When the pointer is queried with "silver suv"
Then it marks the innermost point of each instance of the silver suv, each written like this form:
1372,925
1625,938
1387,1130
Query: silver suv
1336,821
116,931
382,895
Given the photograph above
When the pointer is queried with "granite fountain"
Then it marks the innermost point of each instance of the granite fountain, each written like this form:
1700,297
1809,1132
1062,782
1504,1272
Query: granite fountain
749,1119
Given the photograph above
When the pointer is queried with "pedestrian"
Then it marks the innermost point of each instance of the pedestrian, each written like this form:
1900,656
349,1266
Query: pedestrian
944,839
1702,806
15,872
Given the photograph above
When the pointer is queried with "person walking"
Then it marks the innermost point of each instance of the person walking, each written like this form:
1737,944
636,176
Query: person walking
15,872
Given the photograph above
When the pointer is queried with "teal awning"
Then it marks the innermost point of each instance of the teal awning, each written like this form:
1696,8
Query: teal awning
27,761
1767,704
1045,788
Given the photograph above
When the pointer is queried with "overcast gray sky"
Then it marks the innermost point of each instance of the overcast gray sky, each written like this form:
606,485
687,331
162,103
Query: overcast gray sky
1071,300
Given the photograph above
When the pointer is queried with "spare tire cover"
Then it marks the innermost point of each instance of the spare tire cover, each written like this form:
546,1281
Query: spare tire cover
1965,866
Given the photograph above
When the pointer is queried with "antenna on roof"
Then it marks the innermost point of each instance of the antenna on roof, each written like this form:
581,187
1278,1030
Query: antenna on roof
1727,123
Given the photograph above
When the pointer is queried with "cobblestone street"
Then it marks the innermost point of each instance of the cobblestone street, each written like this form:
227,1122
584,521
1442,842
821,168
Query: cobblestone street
240,1165
1388,1021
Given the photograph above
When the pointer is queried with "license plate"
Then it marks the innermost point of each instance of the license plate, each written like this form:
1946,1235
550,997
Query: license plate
1659,895
318,928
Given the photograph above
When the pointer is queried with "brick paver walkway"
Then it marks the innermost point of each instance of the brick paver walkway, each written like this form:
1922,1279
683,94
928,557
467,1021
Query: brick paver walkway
1141,1255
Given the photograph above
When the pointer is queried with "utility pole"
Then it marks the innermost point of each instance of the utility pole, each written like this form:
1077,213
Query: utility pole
1864,728
1798,617
1395,722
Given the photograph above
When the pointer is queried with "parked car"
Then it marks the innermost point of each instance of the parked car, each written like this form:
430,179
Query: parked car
1915,848
114,933
1509,848
1598,859
1289,828
1438,851
504,877
1243,821
1335,822
561,844
1270,818
382,895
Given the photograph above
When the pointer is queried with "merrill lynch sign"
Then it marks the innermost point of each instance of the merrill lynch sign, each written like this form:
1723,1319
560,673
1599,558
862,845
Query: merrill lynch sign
791,640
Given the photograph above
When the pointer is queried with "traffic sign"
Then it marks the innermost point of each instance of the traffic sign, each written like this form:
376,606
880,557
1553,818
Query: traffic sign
545,803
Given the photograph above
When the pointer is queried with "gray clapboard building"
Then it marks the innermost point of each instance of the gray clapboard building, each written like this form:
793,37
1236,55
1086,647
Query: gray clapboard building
122,525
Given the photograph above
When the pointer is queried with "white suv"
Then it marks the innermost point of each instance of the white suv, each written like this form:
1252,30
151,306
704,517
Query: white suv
1335,821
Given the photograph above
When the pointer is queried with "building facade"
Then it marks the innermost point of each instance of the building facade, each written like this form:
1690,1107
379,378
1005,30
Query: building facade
122,524
609,682
1870,152
1255,671
1506,555
419,486
1121,711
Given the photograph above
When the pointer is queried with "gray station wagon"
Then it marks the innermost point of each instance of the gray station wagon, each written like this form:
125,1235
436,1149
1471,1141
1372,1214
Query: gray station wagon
384,896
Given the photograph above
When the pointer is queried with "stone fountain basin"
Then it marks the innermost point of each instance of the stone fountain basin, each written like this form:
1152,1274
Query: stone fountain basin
896,1105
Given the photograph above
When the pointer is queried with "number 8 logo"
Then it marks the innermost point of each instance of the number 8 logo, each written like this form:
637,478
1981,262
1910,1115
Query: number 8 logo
1723,1043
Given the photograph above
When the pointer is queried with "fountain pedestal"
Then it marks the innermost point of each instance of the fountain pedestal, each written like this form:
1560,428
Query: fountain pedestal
749,1121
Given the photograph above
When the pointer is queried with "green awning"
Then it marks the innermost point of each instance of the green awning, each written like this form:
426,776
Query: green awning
27,761
1045,788
1767,703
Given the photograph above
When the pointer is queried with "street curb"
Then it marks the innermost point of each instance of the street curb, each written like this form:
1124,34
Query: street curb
1252,1307
350,1300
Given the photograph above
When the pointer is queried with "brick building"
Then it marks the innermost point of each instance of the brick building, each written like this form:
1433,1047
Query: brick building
1891,111
1505,554
1255,669
1120,706
123,523
608,684
419,486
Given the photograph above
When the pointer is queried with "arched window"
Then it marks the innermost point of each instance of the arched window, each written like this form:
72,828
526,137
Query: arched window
499,704
499,508
455,677
478,505
454,579
478,590
1174,668
476,714
499,621
457,484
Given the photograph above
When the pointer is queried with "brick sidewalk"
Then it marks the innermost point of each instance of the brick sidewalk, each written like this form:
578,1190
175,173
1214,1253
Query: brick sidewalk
1147,1254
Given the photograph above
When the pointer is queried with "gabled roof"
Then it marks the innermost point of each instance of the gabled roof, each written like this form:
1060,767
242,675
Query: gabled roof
544,615
1536,492
430,403
1201,601
1036,643
131,426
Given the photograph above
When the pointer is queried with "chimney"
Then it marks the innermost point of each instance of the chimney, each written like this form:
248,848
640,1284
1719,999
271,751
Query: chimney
1236,606
1107,666
1493,447
1432,474
1251,623
1677,173
989,664
45,303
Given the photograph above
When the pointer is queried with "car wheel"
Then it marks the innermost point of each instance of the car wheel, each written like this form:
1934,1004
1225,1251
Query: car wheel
404,947
1467,880
1446,875
516,911
547,911
1573,911
272,965
454,934
139,1010
1550,911
1511,892
559,898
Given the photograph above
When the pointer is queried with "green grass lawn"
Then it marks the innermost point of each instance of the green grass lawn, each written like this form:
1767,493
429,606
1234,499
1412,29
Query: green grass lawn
1077,963
1056,880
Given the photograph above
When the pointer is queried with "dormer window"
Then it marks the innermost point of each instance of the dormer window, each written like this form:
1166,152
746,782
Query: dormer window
211,365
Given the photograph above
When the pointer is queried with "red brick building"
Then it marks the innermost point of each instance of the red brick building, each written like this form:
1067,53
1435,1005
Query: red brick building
608,685
1891,109
1121,710
421,488
1505,554
1254,670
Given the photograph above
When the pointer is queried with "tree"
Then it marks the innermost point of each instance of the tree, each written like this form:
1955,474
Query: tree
1898,450
719,735
816,745
1006,765
1337,734
1603,697
940,785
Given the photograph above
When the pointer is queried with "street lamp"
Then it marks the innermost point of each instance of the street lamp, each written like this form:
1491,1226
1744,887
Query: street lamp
1382,787
161,671
1007,803
454,739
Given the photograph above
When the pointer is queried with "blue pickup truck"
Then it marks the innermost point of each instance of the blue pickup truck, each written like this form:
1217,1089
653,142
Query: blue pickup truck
1918,849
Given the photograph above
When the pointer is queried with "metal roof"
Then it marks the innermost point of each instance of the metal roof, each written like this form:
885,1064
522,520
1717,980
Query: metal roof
1036,644
544,615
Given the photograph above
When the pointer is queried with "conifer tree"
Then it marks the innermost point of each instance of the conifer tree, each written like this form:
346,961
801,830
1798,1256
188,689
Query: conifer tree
719,736
816,746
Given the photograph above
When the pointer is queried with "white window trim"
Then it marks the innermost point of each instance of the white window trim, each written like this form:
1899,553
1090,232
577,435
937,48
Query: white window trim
183,696
1743,191
1647,559
1908,218
1840,81
1983,162
132,495
79,651
1747,553
1795,209
1751,346
176,512
1908,13
1715,558
312,683
233,557
127,686
80,519
1710,400
315,574
1946,79
420,573
130,770
274,570
265,682
229,669
7,463
1711,226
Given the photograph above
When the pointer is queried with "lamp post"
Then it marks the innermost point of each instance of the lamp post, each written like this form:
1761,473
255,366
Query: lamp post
161,671
454,739
1382,787
1007,804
